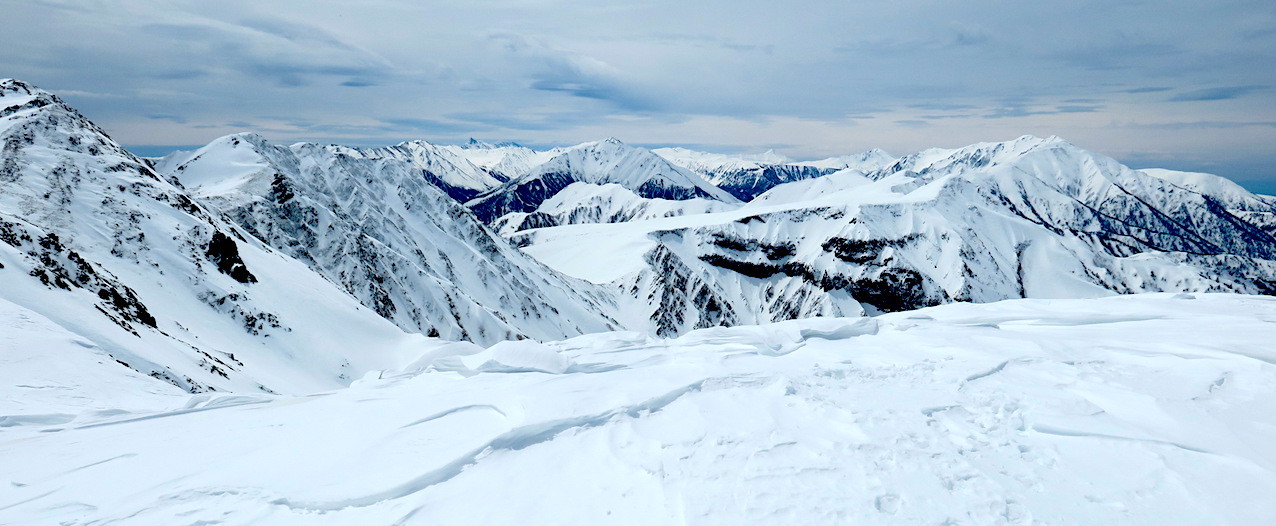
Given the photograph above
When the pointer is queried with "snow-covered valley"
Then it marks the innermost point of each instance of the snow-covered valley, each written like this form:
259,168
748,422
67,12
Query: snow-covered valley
1017,332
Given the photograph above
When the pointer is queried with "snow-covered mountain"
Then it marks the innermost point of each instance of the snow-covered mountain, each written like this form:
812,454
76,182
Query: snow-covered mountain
748,176
1259,210
503,160
1025,218
370,222
602,162
443,167
708,163
146,279
581,203
659,248
865,162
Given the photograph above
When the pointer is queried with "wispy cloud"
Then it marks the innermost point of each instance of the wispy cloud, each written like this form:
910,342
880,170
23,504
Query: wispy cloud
829,77
1210,94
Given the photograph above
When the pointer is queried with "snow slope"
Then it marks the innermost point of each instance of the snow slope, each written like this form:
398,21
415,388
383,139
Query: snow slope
705,162
747,176
96,243
1151,409
865,162
601,162
48,374
1257,209
370,222
442,166
505,160
610,203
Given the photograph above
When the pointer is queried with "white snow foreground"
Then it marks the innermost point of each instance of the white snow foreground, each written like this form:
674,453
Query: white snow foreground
1150,409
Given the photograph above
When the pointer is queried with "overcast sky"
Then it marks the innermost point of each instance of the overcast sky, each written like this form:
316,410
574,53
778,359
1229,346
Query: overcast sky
1186,84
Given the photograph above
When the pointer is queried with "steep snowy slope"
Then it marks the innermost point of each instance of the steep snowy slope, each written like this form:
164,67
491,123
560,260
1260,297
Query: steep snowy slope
610,203
505,160
1259,210
442,167
743,176
1130,410
139,276
602,162
1026,218
48,374
368,220
706,163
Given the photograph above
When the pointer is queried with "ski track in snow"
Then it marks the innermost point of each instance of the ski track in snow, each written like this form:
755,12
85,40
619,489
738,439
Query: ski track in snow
1146,409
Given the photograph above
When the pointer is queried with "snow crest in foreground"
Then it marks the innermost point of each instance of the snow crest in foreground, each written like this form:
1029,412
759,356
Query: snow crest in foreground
1148,409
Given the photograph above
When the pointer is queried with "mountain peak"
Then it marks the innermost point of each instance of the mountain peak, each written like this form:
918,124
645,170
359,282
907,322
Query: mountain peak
254,138
476,144
10,86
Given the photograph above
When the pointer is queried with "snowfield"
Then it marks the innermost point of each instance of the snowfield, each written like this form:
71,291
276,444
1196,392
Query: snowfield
1144,409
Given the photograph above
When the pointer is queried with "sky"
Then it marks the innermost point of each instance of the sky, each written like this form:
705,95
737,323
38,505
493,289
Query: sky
1180,84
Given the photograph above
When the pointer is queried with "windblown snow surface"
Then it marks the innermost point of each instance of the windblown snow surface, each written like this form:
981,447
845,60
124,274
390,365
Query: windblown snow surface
1143,409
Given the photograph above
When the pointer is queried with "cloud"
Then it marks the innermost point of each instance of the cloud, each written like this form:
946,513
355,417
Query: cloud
83,94
1211,94
286,53
831,77
556,70
1077,108
431,126
1204,125
172,118
942,106
1027,110
1119,54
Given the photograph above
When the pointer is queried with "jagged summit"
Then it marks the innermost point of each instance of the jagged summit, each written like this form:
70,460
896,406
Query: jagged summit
94,240
373,222
473,143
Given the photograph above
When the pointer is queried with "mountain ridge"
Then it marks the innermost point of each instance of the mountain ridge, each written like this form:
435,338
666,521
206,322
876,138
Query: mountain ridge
606,236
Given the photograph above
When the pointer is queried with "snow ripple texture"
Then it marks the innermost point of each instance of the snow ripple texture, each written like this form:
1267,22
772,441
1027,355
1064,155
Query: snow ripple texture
1150,409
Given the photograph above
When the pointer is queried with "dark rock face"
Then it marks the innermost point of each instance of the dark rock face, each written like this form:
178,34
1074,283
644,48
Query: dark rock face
58,267
457,193
654,189
523,195
223,252
679,293
861,251
748,184
888,289
527,194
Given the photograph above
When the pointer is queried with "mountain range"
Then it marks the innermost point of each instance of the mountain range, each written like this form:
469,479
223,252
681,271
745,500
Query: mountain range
247,263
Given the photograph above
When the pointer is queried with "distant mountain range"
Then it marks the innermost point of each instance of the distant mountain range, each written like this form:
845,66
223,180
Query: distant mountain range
252,265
